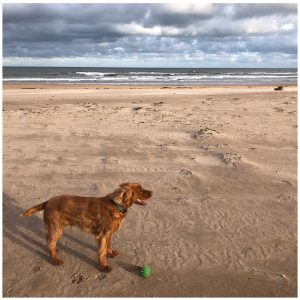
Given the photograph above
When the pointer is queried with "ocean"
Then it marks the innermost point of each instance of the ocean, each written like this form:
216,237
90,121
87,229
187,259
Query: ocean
150,76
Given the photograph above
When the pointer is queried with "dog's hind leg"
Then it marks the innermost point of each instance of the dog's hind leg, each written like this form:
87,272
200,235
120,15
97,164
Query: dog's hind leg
53,233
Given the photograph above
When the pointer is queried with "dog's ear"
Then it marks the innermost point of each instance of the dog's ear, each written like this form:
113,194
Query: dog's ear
118,195
127,197
122,195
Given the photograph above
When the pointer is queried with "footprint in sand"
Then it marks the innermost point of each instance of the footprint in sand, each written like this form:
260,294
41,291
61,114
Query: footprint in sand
136,108
278,109
100,276
203,132
182,200
36,268
231,159
185,173
158,103
94,187
212,147
78,278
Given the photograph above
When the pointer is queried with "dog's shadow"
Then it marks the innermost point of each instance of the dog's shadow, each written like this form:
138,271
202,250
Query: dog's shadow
129,267
29,233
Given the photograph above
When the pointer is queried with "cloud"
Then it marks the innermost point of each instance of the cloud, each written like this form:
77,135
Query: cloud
139,33
287,27
263,9
199,9
137,29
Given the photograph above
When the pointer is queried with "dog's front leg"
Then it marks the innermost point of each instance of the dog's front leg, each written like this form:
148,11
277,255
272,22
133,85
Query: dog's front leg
102,251
110,252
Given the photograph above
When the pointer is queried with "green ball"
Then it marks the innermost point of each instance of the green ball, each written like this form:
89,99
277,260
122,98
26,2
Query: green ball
145,271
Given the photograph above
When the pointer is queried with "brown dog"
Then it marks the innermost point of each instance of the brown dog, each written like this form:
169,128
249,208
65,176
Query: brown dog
100,216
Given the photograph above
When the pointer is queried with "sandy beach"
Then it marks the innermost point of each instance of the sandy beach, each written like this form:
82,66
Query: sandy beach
221,161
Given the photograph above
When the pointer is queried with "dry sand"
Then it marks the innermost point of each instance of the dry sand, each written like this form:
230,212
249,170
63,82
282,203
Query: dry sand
222,165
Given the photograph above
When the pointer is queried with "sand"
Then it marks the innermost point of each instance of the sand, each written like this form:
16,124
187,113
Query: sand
221,162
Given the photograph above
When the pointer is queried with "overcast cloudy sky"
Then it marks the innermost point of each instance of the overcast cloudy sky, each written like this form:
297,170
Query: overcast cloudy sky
150,35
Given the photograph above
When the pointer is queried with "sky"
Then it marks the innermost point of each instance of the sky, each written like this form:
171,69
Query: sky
150,35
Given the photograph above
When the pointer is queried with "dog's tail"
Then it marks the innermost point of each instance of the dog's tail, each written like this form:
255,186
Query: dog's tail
34,209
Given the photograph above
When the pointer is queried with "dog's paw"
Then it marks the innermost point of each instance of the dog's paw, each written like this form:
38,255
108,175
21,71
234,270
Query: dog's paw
106,269
57,262
112,254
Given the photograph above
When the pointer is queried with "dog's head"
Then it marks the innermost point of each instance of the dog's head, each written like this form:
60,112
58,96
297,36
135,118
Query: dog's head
131,193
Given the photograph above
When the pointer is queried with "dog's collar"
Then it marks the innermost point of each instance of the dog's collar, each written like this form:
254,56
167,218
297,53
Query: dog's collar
122,209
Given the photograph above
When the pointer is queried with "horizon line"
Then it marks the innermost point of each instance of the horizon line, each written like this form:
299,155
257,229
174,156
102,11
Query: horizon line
151,67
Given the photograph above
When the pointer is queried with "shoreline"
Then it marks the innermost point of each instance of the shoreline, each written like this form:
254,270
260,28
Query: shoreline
124,86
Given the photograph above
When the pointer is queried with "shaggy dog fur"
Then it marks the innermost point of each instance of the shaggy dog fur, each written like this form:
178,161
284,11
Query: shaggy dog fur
100,216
